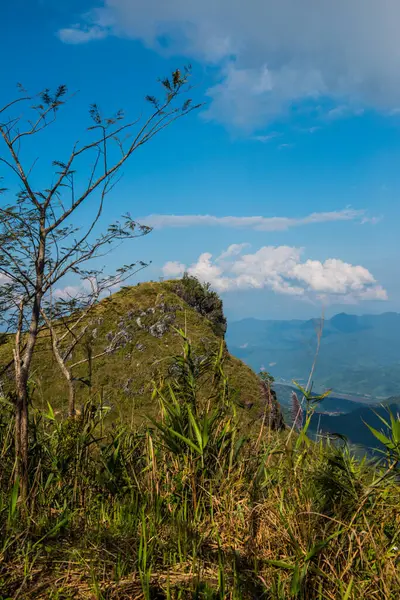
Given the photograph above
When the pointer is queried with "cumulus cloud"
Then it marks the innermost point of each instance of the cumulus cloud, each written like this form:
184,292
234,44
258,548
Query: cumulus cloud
68,292
271,54
257,223
281,269
173,269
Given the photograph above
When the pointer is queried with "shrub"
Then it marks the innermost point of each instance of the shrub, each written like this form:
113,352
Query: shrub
204,300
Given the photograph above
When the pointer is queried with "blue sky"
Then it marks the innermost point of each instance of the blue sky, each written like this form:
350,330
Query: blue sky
301,117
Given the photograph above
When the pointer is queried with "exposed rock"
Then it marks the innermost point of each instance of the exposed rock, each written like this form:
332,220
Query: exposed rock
158,329
140,347
127,387
275,417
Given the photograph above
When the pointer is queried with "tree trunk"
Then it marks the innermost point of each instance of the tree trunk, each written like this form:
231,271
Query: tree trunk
71,397
21,435
22,370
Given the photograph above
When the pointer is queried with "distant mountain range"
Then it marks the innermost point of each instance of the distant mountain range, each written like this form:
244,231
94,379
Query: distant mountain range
336,415
353,425
359,355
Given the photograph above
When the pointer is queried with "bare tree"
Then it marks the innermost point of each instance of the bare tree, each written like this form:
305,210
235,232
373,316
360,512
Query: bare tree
70,318
39,246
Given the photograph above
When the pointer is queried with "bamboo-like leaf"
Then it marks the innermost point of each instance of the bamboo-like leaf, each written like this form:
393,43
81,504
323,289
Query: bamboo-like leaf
348,589
380,436
186,440
50,414
196,429
13,500
281,564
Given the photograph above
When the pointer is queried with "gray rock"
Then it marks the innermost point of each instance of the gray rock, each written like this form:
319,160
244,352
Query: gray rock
127,387
158,329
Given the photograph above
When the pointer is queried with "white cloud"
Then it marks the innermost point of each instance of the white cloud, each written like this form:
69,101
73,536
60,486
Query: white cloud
79,35
257,223
371,220
271,54
4,279
173,269
266,138
68,292
205,270
232,250
280,269
336,277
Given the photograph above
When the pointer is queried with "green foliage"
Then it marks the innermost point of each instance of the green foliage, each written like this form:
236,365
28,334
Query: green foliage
188,506
266,377
391,441
205,301
144,320
202,427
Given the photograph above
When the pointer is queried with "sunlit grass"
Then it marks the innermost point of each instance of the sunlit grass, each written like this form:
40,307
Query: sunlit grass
191,506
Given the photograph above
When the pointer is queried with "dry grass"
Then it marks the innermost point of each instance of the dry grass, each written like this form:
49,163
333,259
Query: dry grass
188,508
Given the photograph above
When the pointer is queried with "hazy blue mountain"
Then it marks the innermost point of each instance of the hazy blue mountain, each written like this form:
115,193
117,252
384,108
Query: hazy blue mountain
353,425
358,355
351,420
331,404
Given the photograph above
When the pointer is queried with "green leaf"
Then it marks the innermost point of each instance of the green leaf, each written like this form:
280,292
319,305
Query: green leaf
318,547
196,428
281,564
348,590
395,428
50,414
380,436
186,440
54,530
295,586
13,500
303,390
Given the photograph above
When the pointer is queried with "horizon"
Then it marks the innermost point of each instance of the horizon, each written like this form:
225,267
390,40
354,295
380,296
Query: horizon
361,315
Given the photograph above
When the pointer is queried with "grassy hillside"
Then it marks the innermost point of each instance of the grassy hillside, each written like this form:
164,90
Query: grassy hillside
189,509
143,320
189,506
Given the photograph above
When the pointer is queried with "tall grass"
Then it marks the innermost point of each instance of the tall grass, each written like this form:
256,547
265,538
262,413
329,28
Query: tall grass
190,507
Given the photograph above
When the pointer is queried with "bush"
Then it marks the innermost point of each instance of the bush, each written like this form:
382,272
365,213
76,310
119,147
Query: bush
204,300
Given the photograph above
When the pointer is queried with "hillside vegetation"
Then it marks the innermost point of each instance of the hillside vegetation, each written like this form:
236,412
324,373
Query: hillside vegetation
177,479
187,507
136,329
